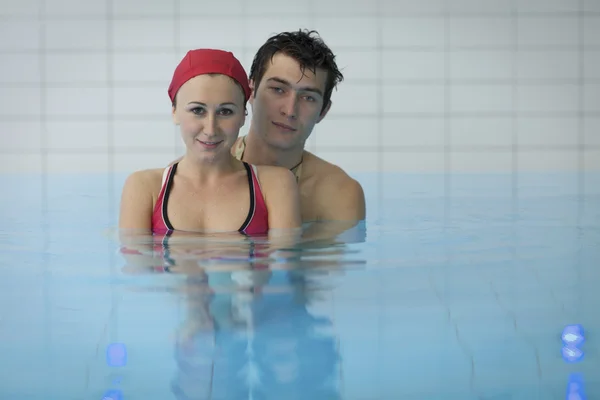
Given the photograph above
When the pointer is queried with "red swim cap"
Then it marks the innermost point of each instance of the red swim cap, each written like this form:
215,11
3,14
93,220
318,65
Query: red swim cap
208,61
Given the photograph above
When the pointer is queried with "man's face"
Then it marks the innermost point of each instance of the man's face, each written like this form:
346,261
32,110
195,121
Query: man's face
287,104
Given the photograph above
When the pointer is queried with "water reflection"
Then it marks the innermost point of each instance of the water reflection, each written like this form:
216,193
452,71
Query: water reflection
257,319
323,244
575,388
257,340
572,338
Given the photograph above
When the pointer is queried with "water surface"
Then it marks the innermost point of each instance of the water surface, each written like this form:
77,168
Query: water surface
454,288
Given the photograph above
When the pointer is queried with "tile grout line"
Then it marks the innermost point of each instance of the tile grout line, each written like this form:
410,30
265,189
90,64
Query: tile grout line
380,168
177,51
447,141
354,82
415,49
110,117
380,106
581,120
514,116
312,24
433,149
112,325
399,115
580,109
515,138
261,16
46,273
447,119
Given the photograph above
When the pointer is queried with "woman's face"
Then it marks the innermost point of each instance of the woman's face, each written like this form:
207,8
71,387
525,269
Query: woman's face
210,111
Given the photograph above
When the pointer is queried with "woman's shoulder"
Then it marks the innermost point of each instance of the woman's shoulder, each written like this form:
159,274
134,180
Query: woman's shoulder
145,178
274,173
276,182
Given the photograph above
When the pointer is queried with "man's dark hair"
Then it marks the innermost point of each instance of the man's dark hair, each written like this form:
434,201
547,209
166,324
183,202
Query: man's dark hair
308,50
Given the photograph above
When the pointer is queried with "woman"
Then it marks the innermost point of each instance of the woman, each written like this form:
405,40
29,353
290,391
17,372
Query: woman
209,190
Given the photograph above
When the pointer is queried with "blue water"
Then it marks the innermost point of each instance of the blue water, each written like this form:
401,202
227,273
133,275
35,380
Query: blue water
456,287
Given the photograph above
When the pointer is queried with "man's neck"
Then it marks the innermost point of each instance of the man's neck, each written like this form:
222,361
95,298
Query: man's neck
260,153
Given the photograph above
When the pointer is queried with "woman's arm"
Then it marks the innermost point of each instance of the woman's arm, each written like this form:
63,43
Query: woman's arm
136,203
282,197
135,219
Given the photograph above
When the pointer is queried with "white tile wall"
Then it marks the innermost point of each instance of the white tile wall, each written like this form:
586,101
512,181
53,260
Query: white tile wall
480,65
486,132
495,83
25,7
20,137
20,35
75,35
89,136
548,132
132,35
412,133
75,8
592,132
20,69
480,32
198,8
85,69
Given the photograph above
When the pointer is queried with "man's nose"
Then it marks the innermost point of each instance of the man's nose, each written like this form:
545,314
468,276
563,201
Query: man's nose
290,107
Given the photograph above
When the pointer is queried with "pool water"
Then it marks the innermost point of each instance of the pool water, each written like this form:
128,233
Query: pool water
456,287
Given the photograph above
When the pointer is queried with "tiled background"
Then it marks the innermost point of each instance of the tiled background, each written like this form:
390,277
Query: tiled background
431,86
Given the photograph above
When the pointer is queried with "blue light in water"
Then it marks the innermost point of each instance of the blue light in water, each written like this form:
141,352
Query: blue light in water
575,389
572,354
572,335
116,355
113,395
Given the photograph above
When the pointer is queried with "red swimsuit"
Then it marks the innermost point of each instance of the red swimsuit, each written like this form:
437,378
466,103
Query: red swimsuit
256,223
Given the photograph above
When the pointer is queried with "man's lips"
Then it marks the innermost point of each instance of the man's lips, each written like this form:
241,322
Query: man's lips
284,126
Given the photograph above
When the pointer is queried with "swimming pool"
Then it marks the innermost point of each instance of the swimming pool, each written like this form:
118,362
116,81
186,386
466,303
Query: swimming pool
456,287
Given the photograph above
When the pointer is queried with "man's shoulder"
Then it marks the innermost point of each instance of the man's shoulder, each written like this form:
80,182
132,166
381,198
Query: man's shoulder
340,196
332,176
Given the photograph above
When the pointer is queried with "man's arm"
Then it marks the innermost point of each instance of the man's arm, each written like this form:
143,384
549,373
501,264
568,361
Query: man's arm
342,199
341,204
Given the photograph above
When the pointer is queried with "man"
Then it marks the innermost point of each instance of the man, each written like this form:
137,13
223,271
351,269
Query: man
292,77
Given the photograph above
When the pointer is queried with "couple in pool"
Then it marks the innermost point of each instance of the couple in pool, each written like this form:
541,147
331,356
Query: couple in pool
257,184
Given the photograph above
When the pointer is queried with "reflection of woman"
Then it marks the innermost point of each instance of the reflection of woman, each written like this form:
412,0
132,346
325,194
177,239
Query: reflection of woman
260,341
209,190
194,254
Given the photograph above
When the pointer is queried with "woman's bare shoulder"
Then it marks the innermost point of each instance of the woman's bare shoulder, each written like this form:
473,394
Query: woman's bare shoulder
149,179
274,173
